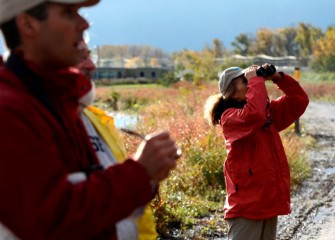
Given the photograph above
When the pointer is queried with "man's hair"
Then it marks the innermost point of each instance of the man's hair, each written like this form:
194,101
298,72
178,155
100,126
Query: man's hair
10,30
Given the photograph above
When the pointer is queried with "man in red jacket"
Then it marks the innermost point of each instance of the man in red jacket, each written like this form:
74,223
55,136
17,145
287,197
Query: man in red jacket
256,169
51,183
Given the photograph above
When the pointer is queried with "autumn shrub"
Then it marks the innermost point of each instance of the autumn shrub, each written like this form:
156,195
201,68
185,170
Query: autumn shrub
168,79
198,180
300,167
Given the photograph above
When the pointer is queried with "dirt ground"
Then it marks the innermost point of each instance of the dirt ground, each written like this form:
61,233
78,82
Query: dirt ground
313,206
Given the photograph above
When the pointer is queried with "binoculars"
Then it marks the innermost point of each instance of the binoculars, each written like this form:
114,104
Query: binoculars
265,72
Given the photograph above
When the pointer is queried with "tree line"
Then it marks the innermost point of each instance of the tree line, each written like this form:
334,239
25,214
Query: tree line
133,55
308,43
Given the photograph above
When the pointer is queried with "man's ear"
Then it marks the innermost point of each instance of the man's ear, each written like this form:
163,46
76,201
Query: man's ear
27,25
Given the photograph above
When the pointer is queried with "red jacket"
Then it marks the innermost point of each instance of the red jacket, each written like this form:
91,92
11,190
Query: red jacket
256,169
39,152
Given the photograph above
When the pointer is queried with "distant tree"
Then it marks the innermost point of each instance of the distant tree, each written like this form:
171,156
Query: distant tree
159,53
288,35
324,52
131,52
306,36
288,41
264,41
134,51
201,64
118,52
218,48
168,79
278,44
105,51
243,44
207,68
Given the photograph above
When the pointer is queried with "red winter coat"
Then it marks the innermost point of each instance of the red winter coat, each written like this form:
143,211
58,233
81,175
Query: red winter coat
256,169
39,152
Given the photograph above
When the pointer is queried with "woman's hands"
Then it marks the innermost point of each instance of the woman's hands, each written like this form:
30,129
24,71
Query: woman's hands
251,72
272,77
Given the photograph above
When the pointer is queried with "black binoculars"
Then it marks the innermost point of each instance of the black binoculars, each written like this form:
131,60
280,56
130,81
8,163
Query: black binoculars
265,72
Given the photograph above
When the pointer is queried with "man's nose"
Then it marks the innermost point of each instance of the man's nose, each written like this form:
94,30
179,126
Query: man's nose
82,23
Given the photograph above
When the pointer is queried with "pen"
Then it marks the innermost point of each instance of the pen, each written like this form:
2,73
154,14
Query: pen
142,136
133,133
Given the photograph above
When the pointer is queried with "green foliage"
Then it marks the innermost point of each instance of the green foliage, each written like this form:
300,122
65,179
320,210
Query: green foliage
201,171
229,62
209,160
300,169
125,102
243,44
290,41
218,48
180,212
188,76
196,188
265,42
168,79
317,77
202,65
290,46
306,36
324,52
327,63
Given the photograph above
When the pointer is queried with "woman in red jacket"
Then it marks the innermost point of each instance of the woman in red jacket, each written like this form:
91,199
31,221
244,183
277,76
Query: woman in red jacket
256,169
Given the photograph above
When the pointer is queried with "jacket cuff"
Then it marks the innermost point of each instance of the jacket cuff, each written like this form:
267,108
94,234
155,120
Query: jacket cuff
143,179
276,80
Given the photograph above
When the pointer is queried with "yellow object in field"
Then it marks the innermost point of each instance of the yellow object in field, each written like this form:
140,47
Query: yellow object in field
296,74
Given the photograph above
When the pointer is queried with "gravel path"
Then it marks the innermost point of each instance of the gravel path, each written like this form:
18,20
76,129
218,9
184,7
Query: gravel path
313,206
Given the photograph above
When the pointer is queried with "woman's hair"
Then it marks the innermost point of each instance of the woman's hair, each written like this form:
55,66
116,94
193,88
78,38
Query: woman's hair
10,30
217,104
214,108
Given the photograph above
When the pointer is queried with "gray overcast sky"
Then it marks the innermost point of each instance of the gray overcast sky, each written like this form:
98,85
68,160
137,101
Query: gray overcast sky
177,24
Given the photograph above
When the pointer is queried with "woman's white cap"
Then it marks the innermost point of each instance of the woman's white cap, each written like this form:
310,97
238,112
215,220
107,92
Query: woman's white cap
227,76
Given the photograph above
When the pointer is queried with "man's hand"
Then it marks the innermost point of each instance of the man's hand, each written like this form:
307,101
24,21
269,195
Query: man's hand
158,154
